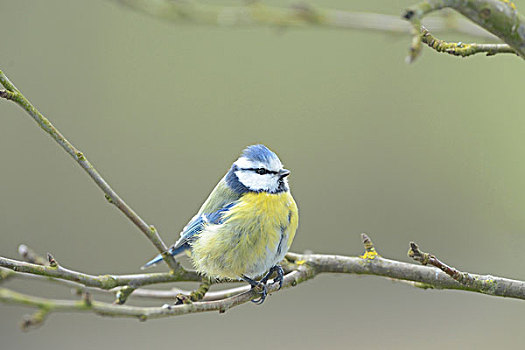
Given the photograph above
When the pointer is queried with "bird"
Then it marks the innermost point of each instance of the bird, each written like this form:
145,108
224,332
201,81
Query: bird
246,225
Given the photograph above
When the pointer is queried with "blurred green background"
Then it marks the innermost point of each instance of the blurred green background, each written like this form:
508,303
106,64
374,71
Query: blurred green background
431,152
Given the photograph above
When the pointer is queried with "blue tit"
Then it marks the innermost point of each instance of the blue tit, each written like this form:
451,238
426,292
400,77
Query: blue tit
247,224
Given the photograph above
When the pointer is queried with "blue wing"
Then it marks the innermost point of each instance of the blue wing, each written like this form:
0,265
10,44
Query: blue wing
191,232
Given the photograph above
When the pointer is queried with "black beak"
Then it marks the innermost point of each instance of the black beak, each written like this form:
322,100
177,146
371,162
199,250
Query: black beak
284,173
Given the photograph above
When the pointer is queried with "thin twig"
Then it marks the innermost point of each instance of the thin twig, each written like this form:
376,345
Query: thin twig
484,284
144,293
13,94
462,49
174,292
101,281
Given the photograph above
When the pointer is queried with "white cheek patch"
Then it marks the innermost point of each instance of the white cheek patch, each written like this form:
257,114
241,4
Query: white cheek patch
256,182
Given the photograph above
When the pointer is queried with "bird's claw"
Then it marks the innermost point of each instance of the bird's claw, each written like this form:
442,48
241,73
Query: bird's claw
257,285
262,284
279,278
263,292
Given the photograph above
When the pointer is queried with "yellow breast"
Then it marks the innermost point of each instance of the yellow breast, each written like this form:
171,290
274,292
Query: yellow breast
250,239
265,214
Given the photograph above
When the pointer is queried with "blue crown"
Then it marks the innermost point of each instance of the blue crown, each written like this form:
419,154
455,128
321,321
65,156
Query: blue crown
259,153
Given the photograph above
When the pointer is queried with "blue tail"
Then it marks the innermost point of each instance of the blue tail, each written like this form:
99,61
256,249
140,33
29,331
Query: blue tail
158,258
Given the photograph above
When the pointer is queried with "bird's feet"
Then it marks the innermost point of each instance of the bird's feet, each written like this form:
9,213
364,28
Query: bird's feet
280,275
260,286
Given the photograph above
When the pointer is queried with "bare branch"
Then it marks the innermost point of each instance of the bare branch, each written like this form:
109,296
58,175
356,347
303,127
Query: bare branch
313,265
485,284
305,267
143,313
174,292
101,281
127,291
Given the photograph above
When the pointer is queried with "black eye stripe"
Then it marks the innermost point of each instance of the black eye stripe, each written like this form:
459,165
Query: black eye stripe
260,171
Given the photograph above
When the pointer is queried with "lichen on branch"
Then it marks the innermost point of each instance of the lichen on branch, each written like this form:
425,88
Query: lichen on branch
499,17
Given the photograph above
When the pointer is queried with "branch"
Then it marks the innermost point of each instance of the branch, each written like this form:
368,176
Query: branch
121,292
296,16
105,282
373,264
499,17
506,26
174,292
144,313
486,284
13,94
461,49
303,267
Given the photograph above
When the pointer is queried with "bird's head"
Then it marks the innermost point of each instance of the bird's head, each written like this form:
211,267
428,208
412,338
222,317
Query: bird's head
258,170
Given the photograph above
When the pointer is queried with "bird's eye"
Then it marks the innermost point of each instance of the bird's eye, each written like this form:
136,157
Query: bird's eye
261,171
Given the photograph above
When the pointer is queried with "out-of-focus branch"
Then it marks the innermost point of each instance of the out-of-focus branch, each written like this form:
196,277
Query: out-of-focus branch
6,274
30,255
499,17
13,94
257,13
